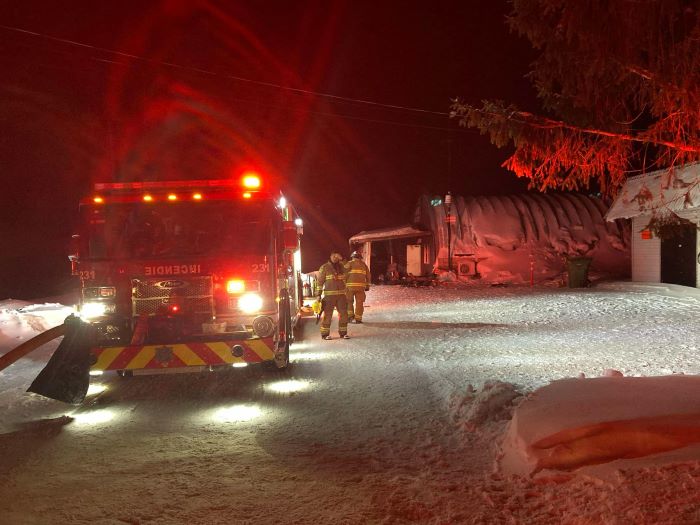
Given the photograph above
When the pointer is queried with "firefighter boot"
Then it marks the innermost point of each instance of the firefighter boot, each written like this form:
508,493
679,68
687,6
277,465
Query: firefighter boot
343,315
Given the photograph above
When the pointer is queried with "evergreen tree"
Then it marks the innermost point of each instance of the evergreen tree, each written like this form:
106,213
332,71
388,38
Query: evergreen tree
619,83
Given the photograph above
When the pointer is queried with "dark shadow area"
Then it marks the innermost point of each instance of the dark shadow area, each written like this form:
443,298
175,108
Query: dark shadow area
16,447
427,325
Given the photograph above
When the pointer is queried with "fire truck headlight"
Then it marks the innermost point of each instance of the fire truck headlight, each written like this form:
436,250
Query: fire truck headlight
250,303
93,310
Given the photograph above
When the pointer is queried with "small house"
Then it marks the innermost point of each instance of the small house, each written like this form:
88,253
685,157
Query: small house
664,209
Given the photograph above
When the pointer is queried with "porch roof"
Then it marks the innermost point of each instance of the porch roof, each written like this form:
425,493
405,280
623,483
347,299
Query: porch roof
386,234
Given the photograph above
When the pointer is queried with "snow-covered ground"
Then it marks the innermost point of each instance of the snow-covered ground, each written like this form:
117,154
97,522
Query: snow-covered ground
449,405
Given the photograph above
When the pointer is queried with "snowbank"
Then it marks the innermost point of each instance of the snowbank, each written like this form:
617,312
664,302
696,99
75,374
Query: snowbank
575,423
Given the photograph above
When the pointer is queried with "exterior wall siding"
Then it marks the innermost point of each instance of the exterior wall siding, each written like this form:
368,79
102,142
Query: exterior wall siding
697,255
646,253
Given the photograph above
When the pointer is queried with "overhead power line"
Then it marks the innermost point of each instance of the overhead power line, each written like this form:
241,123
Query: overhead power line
214,73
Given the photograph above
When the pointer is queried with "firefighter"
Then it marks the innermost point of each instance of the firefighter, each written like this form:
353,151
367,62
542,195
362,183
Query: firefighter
357,284
331,283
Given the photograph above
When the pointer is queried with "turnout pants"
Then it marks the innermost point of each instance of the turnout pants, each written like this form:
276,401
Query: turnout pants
356,297
338,302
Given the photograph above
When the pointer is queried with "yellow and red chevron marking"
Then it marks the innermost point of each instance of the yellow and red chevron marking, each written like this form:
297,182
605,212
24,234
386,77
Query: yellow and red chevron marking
181,354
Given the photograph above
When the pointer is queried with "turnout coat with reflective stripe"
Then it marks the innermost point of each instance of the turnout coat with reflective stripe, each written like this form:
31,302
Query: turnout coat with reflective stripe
331,279
358,274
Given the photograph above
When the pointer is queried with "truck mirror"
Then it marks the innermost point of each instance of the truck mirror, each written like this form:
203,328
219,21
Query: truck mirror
74,248
290,238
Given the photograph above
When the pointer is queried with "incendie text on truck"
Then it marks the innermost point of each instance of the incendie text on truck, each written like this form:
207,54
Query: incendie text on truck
188,275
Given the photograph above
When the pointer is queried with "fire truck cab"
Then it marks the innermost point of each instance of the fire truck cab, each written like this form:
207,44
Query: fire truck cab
188,275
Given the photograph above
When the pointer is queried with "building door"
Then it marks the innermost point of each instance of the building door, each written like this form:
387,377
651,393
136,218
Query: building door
678,257
414,259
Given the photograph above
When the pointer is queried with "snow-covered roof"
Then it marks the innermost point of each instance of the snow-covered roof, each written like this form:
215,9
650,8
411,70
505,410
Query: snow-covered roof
676,190
516,233
385,234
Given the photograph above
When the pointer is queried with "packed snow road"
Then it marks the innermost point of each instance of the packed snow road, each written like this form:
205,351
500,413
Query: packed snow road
366,430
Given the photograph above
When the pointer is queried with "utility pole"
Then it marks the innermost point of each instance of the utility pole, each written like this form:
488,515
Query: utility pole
448,197
448,205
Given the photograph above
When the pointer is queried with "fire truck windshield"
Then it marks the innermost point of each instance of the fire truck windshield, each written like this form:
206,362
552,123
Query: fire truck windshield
148,230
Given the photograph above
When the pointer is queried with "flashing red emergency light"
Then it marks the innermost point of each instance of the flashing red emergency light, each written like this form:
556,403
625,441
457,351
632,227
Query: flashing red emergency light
197,196
247,195
251,180
98,200
235,286
148,198
172,197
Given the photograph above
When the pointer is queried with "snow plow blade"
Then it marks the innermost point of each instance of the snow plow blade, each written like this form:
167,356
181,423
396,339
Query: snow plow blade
66,377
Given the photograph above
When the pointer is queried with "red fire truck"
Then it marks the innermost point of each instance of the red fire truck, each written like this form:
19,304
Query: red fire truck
188,275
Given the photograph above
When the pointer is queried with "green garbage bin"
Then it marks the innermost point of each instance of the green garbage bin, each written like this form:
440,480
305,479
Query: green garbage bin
578,271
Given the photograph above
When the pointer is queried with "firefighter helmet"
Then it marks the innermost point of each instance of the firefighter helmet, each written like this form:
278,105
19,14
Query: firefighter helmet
356,255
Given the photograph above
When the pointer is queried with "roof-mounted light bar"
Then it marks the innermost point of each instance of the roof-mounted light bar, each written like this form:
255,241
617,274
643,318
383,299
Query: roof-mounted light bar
155,185
250,181
249,184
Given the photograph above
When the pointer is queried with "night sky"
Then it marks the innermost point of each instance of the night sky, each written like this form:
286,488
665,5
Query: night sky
344,103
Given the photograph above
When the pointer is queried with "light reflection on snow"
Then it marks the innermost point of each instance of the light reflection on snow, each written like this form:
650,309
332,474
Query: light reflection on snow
53,314
93,417
236,413
96,388
299,353
309,356
288,387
